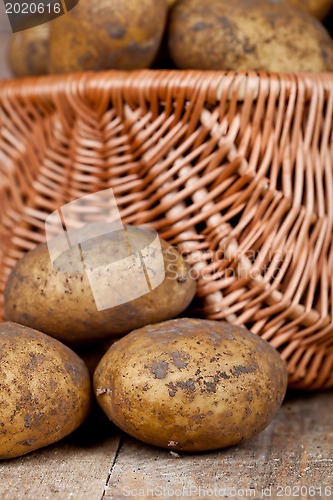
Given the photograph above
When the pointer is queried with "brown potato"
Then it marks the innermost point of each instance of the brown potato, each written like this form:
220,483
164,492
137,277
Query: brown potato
247,34
191,384
60,302
29,51
45,390
317,8
105,34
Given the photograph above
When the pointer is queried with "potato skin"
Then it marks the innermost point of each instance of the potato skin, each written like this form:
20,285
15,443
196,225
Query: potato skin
190,384
247,34
29,51
107,34
62,305
45,391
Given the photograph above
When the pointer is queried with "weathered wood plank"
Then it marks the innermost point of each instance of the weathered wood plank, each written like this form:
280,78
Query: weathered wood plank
76,468
293,454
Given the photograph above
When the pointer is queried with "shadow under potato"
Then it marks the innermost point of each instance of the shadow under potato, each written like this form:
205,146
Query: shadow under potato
95,430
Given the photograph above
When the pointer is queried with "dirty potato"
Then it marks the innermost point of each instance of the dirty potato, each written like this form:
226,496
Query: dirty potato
107,34
247,34
29,51
45,390
58,299
191,384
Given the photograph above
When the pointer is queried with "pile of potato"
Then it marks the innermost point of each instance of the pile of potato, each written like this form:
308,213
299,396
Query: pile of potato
181,384
269,35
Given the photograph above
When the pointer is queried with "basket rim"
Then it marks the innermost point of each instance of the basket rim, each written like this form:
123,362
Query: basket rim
165,82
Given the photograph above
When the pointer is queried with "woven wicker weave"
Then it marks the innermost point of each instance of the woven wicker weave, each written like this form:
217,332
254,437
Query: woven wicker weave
236,169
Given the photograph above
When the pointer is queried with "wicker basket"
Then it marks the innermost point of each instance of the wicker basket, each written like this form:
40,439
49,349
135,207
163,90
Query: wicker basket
236,169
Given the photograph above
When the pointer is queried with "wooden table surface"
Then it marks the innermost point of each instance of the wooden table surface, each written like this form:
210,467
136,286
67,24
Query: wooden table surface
293,457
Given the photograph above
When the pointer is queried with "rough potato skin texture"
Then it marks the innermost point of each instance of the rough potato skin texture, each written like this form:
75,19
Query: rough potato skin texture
45,390
317,8
191,384
248,34
62,304
107,34
29,51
